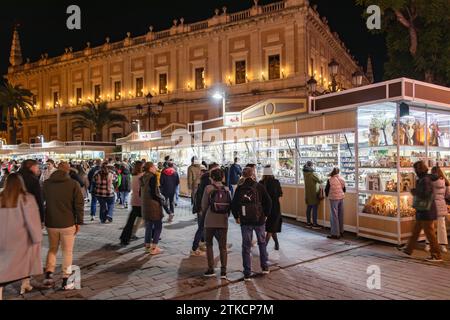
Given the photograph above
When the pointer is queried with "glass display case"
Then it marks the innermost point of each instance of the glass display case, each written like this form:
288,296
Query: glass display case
328,152
390,141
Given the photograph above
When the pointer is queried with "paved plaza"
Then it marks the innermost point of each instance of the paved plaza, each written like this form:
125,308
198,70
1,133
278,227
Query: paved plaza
308,266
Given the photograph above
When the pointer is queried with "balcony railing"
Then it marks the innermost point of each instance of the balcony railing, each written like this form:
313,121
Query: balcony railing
240,16
277,6
162,34
199,26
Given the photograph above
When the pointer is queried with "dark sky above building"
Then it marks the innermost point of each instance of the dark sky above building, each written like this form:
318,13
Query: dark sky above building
43,24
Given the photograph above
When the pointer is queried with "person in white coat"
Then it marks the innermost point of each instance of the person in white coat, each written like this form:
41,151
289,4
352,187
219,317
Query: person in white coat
20,235
441,191
335,191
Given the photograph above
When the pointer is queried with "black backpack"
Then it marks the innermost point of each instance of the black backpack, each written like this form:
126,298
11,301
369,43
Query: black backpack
251,208
220,200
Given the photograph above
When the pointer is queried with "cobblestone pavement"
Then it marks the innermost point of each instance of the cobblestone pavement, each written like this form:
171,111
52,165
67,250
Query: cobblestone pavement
308,266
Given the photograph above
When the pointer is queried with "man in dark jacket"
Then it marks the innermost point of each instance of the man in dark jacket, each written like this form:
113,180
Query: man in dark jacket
169,183
96,168
63,217
30,173
426,213
234,174
251,206
125,185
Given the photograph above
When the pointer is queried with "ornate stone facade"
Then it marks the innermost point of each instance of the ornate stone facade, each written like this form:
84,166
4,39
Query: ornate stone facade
264,52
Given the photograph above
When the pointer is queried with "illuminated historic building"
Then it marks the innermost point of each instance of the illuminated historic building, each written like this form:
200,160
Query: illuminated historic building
263,52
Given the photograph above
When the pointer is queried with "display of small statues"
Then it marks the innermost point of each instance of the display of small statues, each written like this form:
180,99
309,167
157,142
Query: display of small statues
408,182
391,186
435,135
387,207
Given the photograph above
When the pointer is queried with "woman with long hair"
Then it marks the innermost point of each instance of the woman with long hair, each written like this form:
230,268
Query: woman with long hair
104,192
440,193
274,221
151,208
20,235
335,191
134,219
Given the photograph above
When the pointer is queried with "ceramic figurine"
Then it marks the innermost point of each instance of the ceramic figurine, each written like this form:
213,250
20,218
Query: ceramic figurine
419,133
435,134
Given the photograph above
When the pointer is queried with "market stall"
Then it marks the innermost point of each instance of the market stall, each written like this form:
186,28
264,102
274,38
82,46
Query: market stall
56,150
373,134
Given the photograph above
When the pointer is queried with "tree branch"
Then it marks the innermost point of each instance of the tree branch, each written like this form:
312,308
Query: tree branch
401,18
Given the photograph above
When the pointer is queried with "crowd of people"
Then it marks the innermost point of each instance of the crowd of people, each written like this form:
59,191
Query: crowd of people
50,196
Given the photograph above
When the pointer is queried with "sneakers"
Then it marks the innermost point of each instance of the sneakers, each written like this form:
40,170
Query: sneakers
171,216
309,225
247,278
333,237
92,219
67,286
434,259
197,253
223,275
155,251
209,274
316,227
444,248
427,248
148,250
265,271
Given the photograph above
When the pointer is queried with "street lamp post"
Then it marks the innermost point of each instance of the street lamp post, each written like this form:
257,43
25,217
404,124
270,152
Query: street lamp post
221,95
153,110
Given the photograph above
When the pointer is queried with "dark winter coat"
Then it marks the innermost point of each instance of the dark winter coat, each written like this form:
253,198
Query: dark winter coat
150,197
234,174
274,220
34,187
64,201
125,185
424,190
264,200
204,182
312,186
169,182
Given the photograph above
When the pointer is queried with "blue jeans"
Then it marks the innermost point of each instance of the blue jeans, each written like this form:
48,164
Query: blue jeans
106,208
124,197
177,193
247,238
337,217
199,235
314,209
93,205
153,231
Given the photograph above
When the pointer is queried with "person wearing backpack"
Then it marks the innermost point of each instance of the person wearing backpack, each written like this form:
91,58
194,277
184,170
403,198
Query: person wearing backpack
251,206
216,206
335,192
426,213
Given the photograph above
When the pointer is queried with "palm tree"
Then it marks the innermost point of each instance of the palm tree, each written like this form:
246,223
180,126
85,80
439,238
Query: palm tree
96,117
17,105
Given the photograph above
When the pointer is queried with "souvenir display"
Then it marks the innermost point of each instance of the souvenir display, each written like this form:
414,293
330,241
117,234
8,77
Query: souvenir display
408,182
434,135
387,206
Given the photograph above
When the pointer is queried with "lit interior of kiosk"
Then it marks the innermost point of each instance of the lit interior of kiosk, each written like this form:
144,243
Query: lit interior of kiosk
56,150
374,134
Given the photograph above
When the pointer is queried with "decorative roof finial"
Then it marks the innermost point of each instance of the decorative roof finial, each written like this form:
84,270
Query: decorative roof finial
369,70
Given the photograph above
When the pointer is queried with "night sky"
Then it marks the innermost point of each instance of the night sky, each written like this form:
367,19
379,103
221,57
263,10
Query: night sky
43,24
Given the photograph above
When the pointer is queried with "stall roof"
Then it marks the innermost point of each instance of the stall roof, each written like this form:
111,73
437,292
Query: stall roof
393,90
34,148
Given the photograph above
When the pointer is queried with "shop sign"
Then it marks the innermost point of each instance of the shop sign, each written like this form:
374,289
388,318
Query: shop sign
232,119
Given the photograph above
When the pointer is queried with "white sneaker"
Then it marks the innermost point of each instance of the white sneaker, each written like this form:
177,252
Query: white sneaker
202,246
427,248
444,248
197,253
170,220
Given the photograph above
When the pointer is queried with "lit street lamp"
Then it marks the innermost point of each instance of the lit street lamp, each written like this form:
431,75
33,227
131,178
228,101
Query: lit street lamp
153,110
218,96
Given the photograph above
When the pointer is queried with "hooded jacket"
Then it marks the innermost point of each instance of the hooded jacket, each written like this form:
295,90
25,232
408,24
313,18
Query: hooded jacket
439,193
125,185
64,201
169,182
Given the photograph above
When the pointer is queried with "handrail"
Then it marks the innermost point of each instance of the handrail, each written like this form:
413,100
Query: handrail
198,26
277,6
240,15
162,34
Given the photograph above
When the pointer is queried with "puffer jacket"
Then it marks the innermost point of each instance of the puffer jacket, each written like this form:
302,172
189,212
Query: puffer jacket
335,188
312,186
439,192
